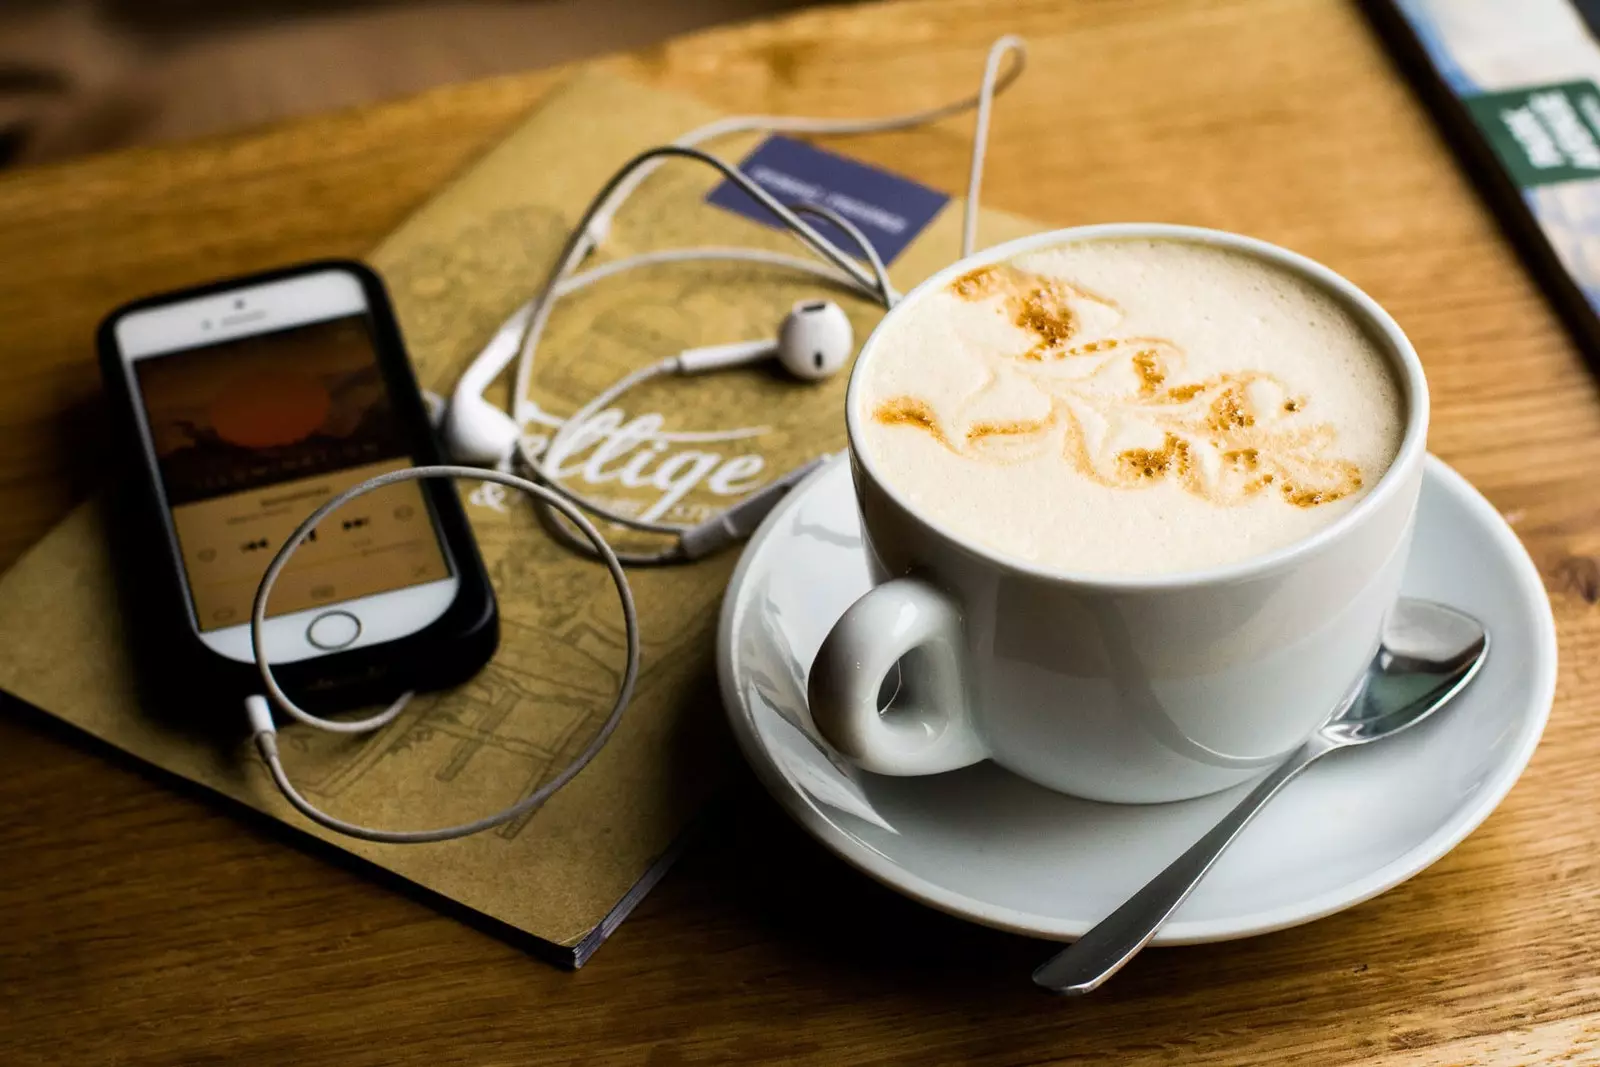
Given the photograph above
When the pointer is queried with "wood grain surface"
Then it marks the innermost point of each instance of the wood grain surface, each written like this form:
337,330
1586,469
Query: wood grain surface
141,926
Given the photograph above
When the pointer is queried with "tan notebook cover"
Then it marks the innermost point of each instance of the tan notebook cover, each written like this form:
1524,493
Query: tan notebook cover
566,874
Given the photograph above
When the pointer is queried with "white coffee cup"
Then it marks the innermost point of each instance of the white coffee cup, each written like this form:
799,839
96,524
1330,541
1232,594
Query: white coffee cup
1124,689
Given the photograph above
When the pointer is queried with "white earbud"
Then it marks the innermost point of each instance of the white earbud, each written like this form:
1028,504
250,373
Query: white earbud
815,340
476,432
813,343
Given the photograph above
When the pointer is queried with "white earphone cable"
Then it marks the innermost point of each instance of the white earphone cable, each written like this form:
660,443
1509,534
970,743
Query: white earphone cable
615,194
570,253
598,227
993,83
516,323
265,733
574,426
550,519
542,306
502,349
712,253
535,314
886,293
577,420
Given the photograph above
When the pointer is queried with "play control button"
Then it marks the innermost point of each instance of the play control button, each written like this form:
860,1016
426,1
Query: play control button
333,629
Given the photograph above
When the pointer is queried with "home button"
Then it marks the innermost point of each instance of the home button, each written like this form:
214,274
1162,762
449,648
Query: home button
333,630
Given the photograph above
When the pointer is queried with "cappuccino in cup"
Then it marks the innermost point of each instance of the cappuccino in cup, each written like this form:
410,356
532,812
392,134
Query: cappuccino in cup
1135,500
1130,406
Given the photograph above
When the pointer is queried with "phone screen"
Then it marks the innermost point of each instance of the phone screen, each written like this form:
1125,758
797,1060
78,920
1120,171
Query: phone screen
251,435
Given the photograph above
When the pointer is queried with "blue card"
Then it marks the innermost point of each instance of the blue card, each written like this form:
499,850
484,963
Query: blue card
889,210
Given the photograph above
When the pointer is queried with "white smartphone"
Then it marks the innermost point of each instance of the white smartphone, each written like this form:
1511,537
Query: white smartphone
253,402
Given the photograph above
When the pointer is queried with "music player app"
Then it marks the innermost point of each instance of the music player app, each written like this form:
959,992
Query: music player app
251,436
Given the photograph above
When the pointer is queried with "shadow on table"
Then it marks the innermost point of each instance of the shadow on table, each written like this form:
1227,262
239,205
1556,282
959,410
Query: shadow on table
773,885
27,716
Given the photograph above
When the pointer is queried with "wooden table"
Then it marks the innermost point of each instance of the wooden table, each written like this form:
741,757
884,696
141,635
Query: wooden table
144,927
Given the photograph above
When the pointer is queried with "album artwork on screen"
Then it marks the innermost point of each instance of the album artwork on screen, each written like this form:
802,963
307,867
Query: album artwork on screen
251,435
267,409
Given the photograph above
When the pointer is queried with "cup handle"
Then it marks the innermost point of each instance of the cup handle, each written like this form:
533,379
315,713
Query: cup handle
928,732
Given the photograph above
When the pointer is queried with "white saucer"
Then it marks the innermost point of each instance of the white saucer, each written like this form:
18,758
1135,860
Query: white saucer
987,846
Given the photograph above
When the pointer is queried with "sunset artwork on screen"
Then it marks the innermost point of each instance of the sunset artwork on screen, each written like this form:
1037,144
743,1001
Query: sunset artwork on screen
251,435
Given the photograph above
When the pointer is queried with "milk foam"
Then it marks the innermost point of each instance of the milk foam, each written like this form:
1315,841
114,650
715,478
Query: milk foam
1130,406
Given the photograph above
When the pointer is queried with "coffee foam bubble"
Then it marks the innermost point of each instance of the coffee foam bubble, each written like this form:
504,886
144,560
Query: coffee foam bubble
1130,406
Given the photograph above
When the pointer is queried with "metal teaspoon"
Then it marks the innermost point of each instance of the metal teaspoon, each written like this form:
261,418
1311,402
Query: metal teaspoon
1427,655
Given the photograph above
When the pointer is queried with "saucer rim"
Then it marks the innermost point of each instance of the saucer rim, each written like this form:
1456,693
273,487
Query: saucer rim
1429,850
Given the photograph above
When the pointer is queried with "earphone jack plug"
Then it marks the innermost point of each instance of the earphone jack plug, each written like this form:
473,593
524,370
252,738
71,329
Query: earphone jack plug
263,731
260,715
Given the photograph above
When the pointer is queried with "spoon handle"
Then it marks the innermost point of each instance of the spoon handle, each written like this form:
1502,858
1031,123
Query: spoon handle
1116,939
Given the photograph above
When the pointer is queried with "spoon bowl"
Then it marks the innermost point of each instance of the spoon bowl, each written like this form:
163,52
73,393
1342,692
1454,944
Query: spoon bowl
1427,654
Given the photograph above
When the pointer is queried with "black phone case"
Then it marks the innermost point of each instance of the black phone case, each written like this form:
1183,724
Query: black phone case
177,672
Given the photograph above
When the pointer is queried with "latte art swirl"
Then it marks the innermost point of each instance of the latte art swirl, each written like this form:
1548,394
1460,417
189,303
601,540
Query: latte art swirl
1225,438
1161,367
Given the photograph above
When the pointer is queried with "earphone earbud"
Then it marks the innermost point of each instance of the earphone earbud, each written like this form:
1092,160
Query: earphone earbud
476,432
814,341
